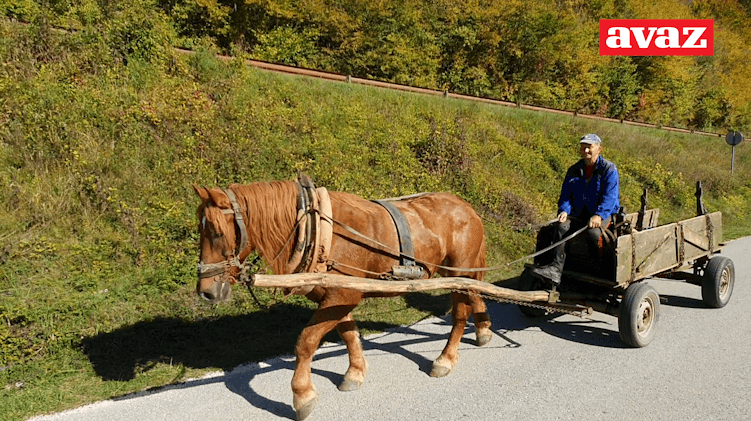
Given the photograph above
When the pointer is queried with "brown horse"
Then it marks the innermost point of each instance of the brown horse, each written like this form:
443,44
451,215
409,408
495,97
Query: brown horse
446,231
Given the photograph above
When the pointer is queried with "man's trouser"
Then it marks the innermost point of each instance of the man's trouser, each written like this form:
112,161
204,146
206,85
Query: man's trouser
592,235
552,272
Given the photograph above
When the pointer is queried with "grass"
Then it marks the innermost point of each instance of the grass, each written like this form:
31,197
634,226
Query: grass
98,238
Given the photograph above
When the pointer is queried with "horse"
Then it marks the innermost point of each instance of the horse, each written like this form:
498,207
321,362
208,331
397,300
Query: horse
263,218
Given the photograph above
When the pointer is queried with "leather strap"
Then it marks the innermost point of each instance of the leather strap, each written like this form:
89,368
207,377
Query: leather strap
240,222
402,229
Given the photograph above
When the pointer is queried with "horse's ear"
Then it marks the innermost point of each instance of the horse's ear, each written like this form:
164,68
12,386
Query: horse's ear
219,198
201,192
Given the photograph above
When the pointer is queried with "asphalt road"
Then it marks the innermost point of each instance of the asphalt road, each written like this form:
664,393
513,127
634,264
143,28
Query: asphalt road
565,368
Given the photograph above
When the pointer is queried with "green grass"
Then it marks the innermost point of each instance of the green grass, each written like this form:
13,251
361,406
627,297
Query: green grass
98,235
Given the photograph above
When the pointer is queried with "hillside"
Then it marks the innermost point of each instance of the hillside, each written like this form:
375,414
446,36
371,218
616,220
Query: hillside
99,148
537,52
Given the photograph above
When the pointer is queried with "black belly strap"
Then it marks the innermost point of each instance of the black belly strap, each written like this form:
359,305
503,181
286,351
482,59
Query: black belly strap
402,229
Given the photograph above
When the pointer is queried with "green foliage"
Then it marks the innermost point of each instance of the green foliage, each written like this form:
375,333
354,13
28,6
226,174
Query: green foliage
26,10
621,88
287,46
136,30
712,109
195,20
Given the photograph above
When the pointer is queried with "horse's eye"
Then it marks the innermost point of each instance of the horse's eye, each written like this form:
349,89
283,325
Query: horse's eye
216,235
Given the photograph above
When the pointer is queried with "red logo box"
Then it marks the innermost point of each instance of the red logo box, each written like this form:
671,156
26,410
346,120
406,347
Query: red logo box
656,37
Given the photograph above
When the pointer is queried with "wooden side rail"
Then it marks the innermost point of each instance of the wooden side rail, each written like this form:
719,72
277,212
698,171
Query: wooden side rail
650,219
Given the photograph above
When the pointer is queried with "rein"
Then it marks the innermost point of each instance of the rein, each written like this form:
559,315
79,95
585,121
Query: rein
390,250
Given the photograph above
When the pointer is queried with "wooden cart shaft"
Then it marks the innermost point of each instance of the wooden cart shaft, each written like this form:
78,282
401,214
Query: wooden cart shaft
395,287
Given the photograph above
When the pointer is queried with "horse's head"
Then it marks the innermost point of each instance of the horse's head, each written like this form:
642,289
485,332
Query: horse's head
223,243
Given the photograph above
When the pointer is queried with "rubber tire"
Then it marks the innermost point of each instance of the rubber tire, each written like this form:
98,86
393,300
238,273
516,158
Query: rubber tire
718,281
528,282
640,304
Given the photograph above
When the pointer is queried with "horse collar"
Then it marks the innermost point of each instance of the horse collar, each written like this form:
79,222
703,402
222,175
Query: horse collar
314,228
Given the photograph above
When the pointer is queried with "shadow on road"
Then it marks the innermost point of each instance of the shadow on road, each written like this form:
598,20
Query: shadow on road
585,331
230,342
685,302
225,342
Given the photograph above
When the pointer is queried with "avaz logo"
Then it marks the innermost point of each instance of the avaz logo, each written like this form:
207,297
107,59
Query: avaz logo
656,37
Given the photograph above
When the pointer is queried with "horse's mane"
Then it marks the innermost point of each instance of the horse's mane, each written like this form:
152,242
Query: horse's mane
271,212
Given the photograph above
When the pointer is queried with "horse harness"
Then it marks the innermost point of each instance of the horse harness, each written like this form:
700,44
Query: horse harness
408,269
314,235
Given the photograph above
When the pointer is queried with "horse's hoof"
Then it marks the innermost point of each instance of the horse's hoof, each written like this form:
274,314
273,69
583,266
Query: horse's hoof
306,409
354,378
483,338
439,370
350,385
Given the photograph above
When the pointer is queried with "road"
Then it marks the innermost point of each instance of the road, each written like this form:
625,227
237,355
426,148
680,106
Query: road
564,368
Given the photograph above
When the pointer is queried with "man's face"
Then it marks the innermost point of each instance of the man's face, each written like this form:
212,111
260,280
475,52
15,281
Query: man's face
589,153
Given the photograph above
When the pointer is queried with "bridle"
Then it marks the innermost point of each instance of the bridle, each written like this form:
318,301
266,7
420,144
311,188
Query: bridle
208,270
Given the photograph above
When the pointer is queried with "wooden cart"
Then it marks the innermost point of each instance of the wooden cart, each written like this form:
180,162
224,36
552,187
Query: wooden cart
643,250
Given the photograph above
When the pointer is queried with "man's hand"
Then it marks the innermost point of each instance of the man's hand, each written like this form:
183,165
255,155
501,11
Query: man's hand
562,217
595,221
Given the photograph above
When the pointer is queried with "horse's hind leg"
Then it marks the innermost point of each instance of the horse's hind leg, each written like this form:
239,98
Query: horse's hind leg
479,311
460,312
358,366
304,395
482,321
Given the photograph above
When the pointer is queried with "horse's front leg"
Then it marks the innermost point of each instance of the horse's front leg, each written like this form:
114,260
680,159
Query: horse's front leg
304,395
358,366
460,312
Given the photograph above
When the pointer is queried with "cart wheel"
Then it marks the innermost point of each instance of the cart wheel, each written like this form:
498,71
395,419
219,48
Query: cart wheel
717,283
528,282
637,318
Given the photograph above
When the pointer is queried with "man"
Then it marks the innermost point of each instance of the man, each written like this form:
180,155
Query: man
589,196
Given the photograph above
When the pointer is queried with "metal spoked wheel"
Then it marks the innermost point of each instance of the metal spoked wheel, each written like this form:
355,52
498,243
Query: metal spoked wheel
718,281
638,315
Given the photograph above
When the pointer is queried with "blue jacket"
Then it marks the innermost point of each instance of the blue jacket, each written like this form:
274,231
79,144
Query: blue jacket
599,195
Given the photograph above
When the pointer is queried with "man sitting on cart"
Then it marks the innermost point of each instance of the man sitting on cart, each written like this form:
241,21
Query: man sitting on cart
589,197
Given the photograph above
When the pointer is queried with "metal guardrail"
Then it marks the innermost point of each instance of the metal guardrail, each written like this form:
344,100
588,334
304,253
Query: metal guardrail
279,68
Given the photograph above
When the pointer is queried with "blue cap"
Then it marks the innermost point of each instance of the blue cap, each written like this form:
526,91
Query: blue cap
591,139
